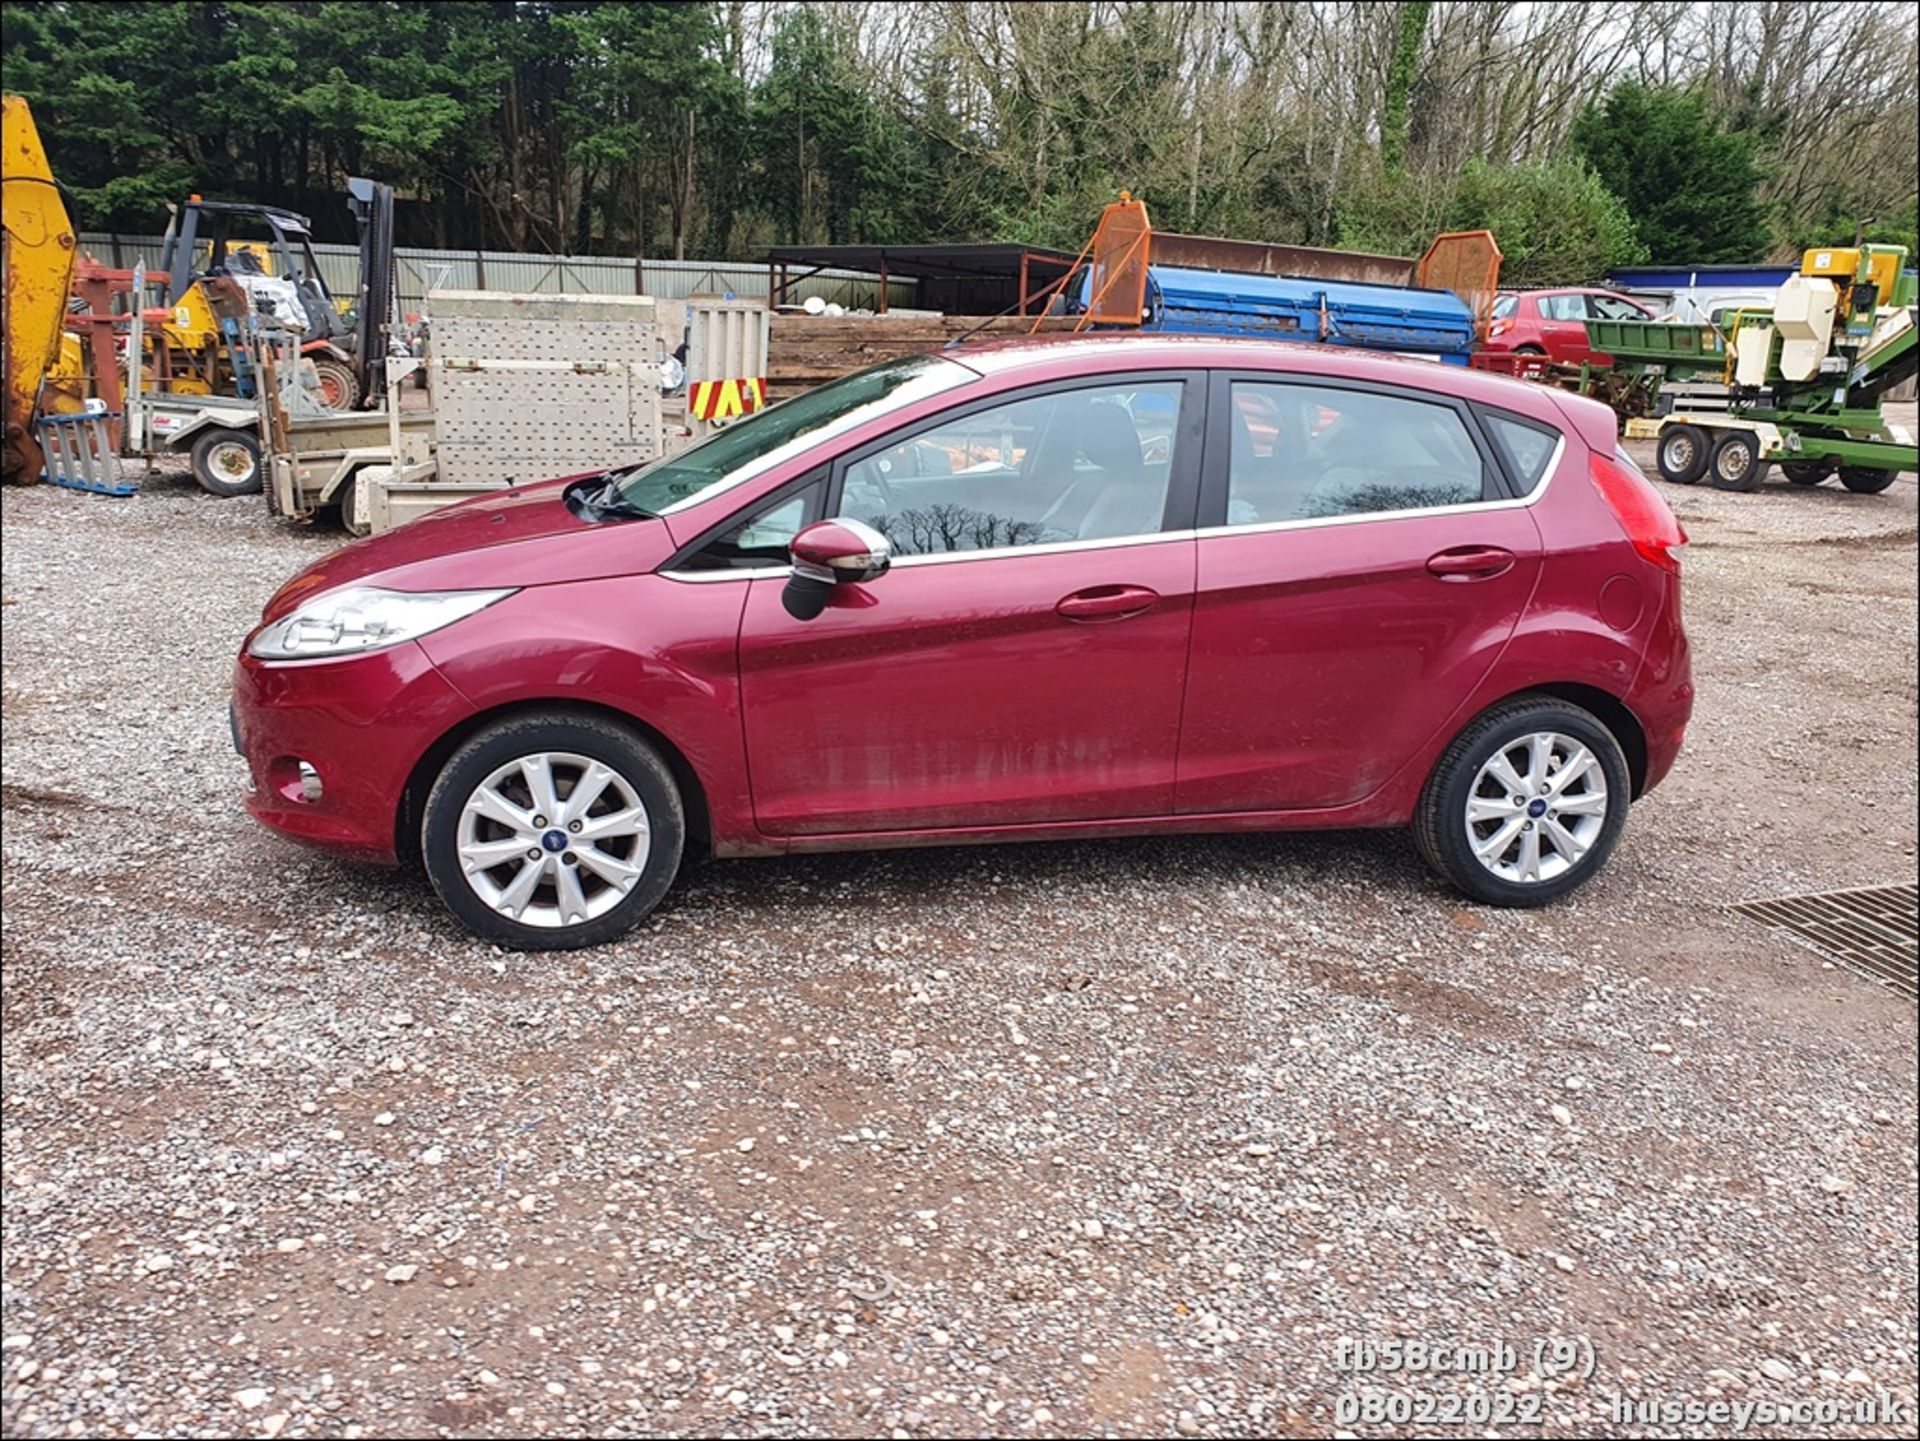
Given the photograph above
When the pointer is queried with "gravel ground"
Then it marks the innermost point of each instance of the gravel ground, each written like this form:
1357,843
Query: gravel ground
1115,1139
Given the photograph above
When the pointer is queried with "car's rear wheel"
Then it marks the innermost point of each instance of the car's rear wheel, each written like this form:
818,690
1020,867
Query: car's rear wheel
1681,454
552,830
1526,804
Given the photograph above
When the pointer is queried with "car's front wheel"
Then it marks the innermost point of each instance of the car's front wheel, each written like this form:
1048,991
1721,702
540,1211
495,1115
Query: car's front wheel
551,830
1526,804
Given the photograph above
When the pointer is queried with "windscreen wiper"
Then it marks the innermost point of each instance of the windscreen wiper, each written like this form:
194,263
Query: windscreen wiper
597,498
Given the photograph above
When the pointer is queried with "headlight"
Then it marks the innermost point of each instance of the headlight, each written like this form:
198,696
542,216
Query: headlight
363,618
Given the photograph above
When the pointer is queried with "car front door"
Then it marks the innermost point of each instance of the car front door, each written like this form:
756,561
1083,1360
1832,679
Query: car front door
1371,565
1023,659
1563,327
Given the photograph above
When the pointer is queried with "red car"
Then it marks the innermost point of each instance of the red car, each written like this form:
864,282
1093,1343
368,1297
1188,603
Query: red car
1112,586
1553,323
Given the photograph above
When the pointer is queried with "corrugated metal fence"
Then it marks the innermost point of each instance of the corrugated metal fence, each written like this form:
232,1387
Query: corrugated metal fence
421,271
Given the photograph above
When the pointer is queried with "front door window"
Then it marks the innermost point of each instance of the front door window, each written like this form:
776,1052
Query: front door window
1090,464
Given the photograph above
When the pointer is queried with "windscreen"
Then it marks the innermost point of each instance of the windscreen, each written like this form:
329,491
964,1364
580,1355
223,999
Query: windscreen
755,445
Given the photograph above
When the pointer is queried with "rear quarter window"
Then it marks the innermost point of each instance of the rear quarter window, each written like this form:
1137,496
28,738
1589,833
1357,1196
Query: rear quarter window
1527,446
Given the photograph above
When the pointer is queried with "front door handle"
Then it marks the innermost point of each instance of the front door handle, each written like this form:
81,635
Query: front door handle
1107,602
1471,562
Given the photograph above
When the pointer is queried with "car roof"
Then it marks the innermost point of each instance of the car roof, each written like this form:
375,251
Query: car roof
1046,357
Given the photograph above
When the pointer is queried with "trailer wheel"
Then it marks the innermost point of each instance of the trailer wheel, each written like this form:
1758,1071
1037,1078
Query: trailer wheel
348,499
1805,472
1682,454
339,386
1863,481
227,463
1734,463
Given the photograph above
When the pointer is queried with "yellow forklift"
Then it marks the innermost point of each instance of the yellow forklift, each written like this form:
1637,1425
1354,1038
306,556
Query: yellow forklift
269,253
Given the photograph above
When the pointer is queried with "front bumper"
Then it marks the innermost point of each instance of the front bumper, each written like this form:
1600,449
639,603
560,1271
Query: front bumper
330,744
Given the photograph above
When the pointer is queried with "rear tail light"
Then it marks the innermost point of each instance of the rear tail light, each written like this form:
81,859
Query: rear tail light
1499,327
1643,515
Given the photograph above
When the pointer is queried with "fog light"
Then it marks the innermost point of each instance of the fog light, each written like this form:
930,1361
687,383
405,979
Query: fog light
295,780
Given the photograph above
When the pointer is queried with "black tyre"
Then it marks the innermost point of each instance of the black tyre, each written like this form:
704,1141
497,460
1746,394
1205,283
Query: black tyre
552,830
1734,463
339,386
226,463
346,501
1862,481
1526,804
1805,472
1681,454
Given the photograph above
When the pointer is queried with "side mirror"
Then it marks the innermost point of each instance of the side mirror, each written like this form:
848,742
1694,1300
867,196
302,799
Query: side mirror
829,553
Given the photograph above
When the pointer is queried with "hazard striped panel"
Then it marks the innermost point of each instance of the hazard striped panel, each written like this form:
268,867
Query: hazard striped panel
723,399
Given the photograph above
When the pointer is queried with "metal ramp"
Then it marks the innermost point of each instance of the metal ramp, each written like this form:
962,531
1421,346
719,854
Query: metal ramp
80,455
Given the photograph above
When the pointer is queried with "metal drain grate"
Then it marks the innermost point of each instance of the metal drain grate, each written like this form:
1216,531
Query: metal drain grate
1875,932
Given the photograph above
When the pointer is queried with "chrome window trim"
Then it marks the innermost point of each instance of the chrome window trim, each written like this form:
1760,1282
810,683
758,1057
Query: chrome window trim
1055,547
1465,507
708,577
1064,547
949,557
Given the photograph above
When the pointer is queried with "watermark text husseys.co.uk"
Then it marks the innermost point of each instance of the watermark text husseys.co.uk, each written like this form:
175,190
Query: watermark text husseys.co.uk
1879,1409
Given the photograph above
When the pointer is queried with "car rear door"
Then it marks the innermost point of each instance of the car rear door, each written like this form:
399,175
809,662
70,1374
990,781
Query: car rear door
1023,660
1362,561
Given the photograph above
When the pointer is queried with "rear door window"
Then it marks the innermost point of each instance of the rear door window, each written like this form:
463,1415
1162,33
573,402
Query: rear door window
1309,452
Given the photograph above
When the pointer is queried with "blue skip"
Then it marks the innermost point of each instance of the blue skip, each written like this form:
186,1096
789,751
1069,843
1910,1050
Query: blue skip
1435,324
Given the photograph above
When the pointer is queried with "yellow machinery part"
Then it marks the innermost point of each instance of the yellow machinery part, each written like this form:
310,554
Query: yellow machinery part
64,391
1834,262
190,325
1879,264
1882,265
38,260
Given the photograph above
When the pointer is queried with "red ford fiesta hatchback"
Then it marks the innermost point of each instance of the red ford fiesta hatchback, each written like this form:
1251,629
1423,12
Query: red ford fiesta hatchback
1110,586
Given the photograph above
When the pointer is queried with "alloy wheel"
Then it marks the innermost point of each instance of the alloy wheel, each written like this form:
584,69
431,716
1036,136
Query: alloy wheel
1536,808
553,839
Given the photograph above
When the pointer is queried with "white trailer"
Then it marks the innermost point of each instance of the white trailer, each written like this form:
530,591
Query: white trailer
522,387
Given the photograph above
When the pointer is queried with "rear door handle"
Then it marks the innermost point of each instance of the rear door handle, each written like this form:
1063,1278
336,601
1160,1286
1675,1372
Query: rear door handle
1107,602
1471,562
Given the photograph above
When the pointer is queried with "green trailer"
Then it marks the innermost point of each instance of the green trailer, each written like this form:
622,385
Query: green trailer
1805,379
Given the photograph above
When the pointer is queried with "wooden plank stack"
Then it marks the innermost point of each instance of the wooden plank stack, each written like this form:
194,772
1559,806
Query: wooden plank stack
809,350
